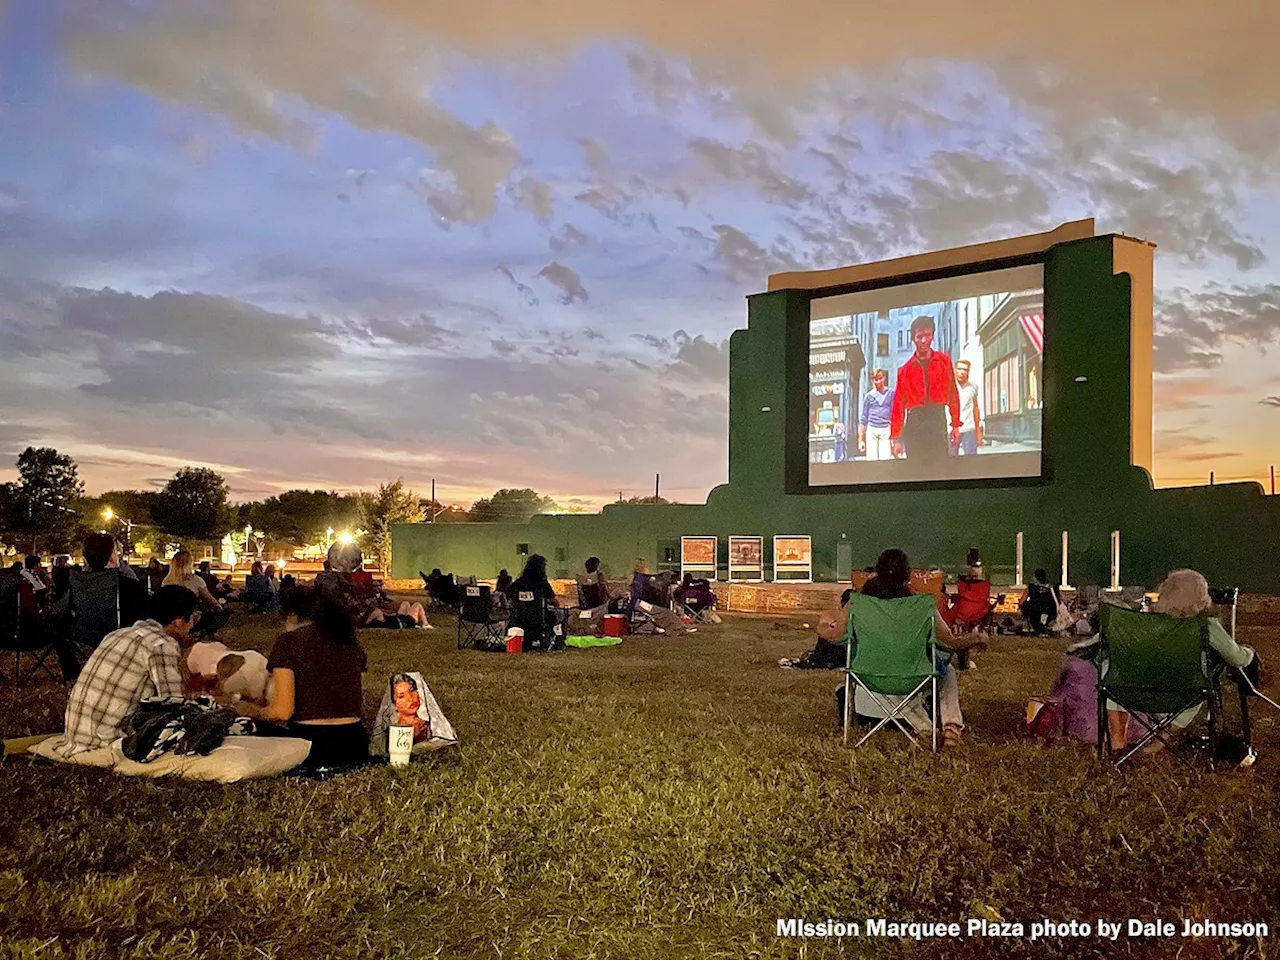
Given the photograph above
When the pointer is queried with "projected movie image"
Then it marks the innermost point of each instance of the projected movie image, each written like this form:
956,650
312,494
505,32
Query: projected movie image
930,381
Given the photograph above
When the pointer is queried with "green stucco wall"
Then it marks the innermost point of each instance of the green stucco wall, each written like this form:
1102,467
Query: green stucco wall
1229,532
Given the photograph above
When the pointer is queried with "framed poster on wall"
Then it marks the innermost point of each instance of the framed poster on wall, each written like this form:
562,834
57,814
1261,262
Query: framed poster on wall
746,559
698,556
793,559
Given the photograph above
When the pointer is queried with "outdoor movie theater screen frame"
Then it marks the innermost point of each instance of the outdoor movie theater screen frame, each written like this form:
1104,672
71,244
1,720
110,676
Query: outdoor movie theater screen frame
995,319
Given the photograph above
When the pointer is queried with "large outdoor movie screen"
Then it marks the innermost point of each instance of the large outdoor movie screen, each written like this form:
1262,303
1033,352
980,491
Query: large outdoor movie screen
941,380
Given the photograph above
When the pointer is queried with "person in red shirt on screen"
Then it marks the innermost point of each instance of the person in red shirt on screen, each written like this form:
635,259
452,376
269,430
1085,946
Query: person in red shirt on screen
925,401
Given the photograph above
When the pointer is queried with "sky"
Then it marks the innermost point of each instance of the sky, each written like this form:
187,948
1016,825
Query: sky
329,243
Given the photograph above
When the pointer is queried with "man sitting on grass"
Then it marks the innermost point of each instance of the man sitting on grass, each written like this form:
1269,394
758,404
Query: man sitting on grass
129,664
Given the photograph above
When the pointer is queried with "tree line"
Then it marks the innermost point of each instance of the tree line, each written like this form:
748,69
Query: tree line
46,510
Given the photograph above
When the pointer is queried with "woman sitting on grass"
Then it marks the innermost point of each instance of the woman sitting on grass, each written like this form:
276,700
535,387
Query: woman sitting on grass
183,573
316,666
407,617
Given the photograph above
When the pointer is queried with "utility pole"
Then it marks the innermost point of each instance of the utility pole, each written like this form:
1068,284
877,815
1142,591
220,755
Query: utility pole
1273,479
432,508
1211,478
657,479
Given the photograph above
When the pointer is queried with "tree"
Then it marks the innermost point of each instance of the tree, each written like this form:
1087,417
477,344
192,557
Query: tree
131,505
649,499
393,503
125,513
302,516
193,505
41,504
510,506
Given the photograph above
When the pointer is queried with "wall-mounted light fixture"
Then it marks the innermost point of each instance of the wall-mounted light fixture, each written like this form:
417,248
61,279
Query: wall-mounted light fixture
766,409
1082,379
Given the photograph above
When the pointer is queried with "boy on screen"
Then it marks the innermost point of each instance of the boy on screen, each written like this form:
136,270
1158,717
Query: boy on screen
925,401
873,424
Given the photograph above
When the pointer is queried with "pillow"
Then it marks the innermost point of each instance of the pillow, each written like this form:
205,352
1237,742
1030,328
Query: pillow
239,758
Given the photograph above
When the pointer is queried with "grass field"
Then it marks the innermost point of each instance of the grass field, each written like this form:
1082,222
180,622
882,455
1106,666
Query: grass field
671,797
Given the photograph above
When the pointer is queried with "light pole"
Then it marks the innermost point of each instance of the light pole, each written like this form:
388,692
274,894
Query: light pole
109,515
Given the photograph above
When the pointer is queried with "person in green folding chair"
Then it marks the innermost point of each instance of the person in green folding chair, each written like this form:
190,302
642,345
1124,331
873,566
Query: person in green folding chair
904,656
1184,595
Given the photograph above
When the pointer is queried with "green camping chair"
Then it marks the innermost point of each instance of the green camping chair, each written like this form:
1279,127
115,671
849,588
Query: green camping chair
1155,667
891,653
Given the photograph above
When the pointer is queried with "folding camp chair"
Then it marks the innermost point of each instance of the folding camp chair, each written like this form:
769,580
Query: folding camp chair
1155,667
697,601
640,621
531,613
891,653
443,595
36,643
478,623
972,607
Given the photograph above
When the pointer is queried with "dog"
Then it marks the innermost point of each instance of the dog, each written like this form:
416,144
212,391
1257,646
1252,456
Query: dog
218,670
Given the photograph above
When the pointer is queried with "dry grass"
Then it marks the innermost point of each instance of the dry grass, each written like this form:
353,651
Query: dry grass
671,797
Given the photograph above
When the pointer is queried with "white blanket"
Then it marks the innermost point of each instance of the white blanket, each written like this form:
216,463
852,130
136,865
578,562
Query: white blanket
239,758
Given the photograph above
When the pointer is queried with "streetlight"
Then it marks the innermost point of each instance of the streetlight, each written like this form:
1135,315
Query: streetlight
345,538
108,514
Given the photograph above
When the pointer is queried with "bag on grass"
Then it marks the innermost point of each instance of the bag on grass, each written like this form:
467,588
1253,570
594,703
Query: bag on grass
1044,718
1064,620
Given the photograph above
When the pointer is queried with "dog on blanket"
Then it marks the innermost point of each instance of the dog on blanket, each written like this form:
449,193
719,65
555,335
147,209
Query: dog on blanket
220,671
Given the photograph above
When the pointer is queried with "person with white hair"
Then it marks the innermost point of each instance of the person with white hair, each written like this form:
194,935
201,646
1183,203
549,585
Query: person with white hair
1072,701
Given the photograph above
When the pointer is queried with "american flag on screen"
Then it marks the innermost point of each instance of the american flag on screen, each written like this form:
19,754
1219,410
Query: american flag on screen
1033,324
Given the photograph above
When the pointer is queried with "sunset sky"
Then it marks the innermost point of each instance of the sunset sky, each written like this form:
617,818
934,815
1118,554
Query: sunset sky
328,243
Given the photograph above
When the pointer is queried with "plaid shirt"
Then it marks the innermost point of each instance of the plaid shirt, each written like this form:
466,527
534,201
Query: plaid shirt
131,663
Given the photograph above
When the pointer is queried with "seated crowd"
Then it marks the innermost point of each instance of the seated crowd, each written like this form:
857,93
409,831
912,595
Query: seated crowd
137,634
313,684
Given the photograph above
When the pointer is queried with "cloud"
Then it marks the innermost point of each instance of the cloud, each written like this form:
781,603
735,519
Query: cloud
664,81
525,290
536,197
1202,60
1273,401
419,332
706,359
594,153
354,63
752,164
568,240
565,280
745,259
1193,328
1206,456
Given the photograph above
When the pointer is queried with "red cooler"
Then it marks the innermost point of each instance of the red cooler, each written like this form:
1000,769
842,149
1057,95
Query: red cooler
614,625
515,640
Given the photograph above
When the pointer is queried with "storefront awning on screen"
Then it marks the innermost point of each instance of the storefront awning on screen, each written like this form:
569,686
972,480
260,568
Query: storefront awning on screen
1033,326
